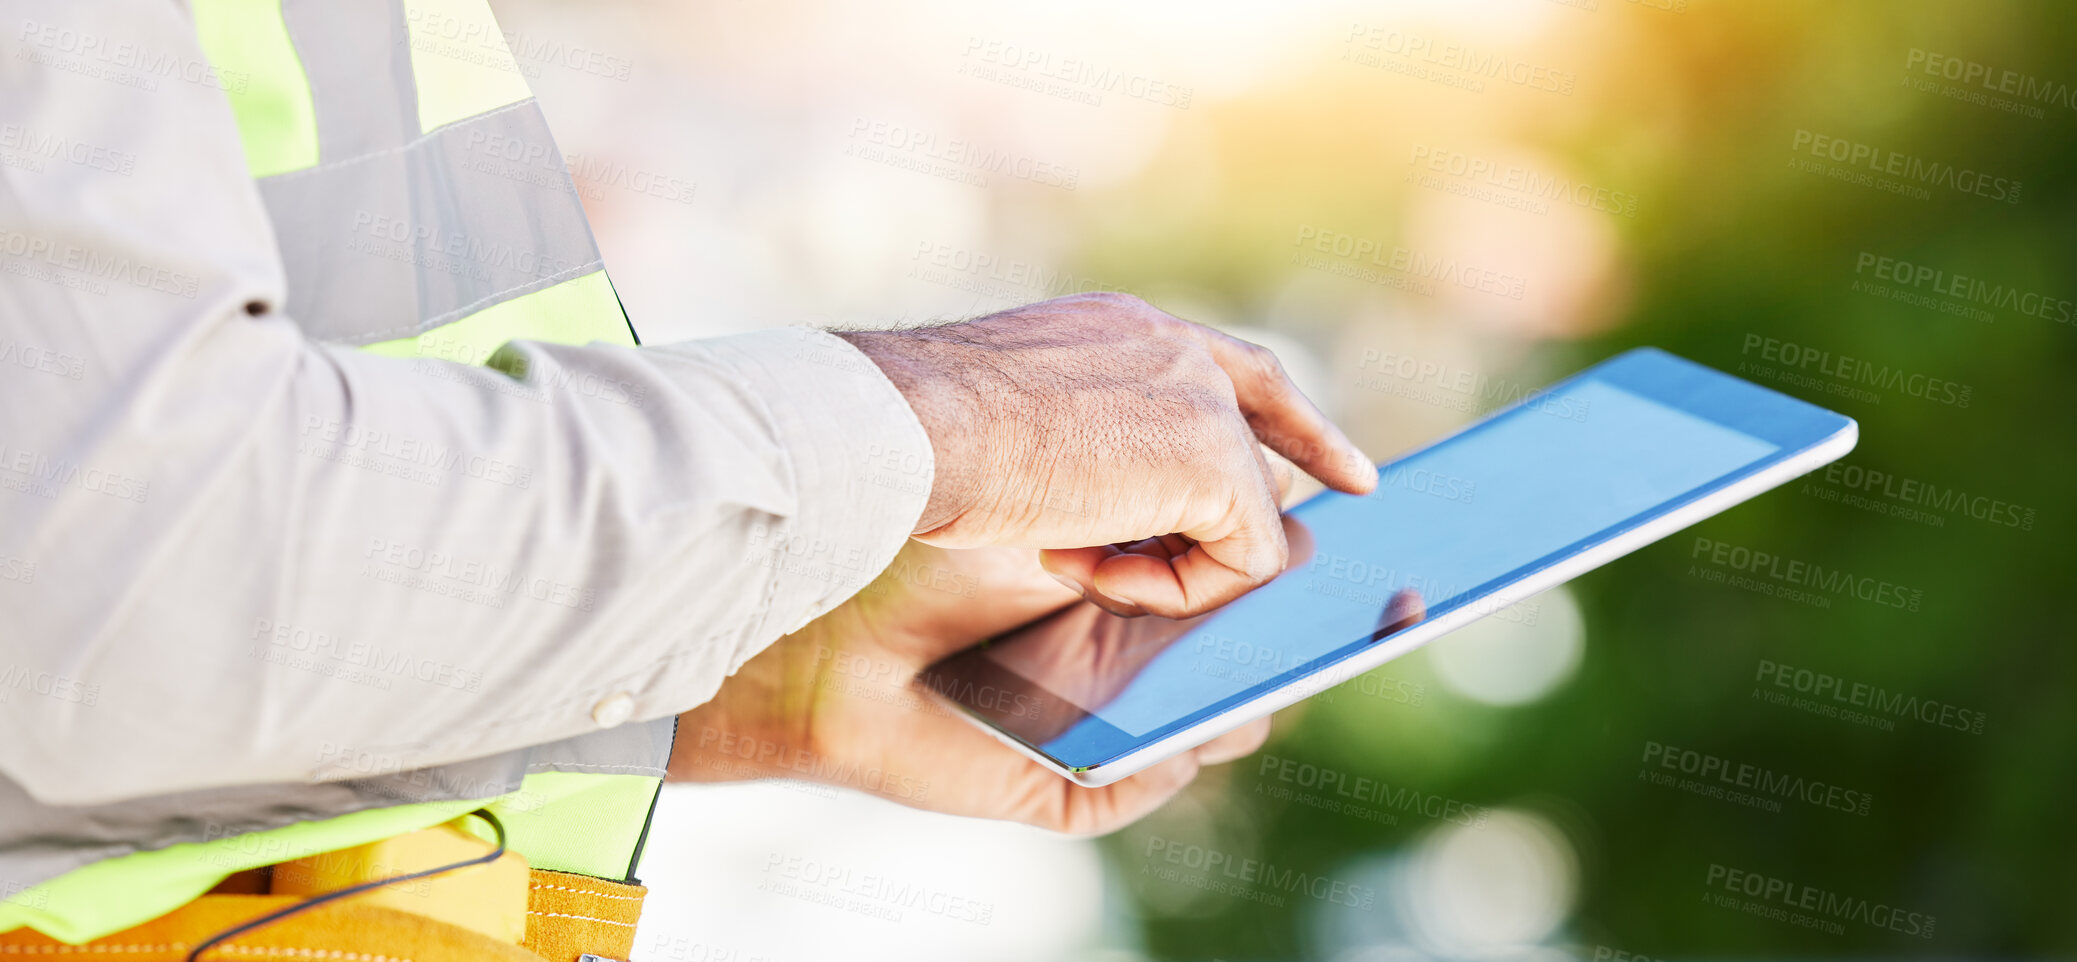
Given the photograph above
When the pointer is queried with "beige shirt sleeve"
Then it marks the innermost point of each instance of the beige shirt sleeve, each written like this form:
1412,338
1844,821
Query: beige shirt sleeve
231,555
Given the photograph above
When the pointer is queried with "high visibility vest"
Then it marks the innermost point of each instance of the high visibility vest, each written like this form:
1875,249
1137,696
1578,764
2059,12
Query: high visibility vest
422,210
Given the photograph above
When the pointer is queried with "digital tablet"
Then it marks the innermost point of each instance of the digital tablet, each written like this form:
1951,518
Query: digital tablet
1565,480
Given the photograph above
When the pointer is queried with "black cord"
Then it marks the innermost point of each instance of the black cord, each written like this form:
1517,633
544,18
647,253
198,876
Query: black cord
271,918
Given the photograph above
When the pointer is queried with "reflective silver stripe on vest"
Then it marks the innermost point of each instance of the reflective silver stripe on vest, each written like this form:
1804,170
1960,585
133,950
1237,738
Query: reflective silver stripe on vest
401,241
45,841
395,232
357,58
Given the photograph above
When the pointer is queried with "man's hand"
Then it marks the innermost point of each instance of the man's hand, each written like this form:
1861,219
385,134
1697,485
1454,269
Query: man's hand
837,702
1093,420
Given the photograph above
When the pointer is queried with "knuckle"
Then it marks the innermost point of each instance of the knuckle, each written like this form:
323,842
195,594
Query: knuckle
1169,330
1268,369
1200,366
1119,298
1265,562
1118,301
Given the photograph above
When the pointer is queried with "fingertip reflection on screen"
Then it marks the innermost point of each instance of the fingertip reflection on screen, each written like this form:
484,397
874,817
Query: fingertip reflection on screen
1403,611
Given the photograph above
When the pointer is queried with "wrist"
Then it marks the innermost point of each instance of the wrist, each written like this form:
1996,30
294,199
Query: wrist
945,392
750,726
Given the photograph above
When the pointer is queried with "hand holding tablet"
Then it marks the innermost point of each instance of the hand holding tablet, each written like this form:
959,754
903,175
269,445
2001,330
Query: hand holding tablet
1599,465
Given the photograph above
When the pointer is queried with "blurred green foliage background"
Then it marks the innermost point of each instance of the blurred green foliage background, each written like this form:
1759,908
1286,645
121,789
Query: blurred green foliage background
1732,241
1612,173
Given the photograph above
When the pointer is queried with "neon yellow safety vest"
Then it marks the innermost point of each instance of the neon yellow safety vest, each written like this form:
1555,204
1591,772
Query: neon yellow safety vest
422,210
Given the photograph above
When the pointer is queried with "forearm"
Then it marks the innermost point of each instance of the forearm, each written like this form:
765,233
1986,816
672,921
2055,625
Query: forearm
249,556
420,562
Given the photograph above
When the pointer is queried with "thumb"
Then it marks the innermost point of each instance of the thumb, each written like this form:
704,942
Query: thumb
1080,810
1096,811
1238,546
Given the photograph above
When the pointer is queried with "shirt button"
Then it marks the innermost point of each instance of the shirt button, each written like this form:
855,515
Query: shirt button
613,709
